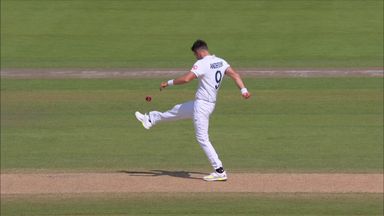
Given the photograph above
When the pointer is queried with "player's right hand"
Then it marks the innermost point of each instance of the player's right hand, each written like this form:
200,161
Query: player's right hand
163,85
246,95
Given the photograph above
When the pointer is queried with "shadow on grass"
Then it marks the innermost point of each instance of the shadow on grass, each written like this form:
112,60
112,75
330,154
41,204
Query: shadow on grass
154,173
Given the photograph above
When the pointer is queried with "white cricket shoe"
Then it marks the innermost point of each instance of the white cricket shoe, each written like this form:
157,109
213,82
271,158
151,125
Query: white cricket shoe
215,176
144,119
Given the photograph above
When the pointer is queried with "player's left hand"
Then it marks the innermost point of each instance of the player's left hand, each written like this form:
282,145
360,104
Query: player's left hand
163,85
246,95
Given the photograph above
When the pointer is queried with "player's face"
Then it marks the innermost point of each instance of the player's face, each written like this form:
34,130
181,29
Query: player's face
197,55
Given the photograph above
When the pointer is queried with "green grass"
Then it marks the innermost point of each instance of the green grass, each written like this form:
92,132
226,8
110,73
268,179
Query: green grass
158,33
294,124
198,204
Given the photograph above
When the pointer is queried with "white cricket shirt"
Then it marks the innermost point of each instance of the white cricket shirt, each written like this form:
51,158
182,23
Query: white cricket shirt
210,71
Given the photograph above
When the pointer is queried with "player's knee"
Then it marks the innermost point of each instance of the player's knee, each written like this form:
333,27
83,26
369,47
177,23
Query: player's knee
176,107
202,139
175,110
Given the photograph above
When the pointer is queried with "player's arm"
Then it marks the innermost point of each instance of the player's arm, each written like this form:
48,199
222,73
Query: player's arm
239,82
179,81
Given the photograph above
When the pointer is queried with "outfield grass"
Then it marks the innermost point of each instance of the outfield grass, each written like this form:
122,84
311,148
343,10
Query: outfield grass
198,204
158,33
293,124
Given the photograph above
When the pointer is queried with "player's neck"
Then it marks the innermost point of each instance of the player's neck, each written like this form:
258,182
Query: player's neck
204,54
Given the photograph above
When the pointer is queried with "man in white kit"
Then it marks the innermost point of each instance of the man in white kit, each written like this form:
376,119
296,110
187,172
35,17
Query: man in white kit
209,70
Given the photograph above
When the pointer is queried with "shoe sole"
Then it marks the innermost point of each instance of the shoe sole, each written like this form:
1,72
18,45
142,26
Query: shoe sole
216,179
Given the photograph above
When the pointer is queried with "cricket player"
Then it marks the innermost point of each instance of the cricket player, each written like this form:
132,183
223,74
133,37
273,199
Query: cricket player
209,70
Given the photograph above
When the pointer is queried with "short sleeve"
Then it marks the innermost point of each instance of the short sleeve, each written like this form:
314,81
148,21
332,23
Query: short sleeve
225,65
197,69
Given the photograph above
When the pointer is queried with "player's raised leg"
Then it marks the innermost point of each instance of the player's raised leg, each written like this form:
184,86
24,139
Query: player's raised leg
179,111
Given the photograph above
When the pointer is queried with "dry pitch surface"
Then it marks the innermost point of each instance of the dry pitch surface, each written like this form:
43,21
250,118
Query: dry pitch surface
181,181
169,181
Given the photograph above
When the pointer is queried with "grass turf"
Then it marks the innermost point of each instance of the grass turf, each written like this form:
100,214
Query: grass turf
198,204
158,33
294,124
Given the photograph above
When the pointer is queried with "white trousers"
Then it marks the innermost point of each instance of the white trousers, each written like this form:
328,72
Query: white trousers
199,111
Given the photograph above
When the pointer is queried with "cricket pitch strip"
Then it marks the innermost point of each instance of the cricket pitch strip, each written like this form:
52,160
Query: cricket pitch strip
182,181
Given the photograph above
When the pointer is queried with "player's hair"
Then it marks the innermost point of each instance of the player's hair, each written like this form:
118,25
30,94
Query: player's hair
199,44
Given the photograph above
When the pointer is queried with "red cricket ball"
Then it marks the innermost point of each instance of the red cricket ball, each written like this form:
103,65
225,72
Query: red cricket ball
148,98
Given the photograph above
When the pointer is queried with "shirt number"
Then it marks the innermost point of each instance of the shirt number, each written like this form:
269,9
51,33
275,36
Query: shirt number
218,78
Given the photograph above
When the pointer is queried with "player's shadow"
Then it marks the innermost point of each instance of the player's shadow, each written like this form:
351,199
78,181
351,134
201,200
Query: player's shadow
153,173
